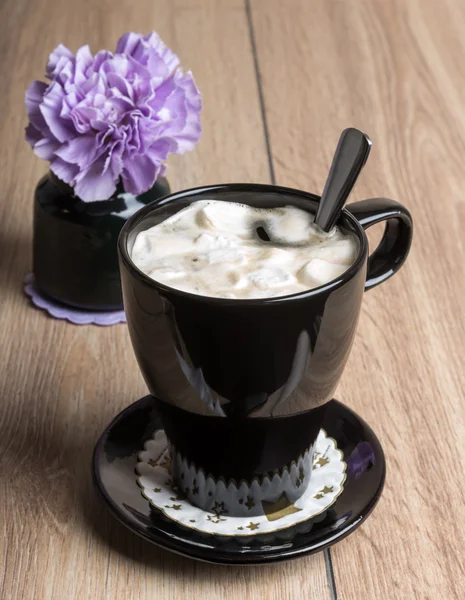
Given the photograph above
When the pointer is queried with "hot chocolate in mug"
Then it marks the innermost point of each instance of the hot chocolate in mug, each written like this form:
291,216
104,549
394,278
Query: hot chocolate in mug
241,384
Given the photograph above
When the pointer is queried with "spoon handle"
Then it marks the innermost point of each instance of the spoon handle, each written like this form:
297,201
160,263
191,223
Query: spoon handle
351,154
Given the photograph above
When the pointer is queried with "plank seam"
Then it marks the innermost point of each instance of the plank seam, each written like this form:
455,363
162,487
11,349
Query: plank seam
330,573
261,97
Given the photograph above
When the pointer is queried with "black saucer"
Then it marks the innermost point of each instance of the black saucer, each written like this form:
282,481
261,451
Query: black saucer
115,458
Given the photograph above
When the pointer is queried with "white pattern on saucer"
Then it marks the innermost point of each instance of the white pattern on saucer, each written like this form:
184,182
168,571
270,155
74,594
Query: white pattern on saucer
326,484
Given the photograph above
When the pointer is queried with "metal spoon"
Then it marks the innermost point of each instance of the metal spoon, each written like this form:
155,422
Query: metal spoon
351,154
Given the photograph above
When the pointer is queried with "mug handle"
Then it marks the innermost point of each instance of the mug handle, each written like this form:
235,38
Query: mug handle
395,244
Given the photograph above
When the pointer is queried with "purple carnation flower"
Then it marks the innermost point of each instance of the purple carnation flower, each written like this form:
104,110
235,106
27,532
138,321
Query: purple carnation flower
112,116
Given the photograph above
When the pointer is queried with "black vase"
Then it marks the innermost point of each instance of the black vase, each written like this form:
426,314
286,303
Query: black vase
74,252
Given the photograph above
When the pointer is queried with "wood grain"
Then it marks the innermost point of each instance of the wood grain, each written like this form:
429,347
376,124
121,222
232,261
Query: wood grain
394,69
61,384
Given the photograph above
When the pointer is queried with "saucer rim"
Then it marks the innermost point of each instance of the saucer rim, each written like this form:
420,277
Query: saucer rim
212,555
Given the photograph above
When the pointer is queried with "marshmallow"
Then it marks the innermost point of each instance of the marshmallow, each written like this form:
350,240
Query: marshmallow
217,248
318,272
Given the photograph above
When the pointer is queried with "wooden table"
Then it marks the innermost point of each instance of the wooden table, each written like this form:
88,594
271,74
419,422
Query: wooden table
280,79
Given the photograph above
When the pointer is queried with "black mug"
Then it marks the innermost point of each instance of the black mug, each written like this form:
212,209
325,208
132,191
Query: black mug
241,384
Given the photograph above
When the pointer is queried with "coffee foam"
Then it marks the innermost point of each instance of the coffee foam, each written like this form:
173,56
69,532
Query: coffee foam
217,248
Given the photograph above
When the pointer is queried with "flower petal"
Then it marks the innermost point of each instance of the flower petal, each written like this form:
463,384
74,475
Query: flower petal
139,174
64,170
84,60
34,96
93,184
32,135
46,148
161,148
100,58
81,150
51,108
59,56
127,42
114,160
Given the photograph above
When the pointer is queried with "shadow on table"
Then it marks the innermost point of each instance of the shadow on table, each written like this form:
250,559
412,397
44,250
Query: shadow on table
135,548
112,533
45,465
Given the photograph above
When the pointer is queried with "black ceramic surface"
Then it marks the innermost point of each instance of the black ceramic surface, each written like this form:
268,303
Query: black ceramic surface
115,458
252,374
74,254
